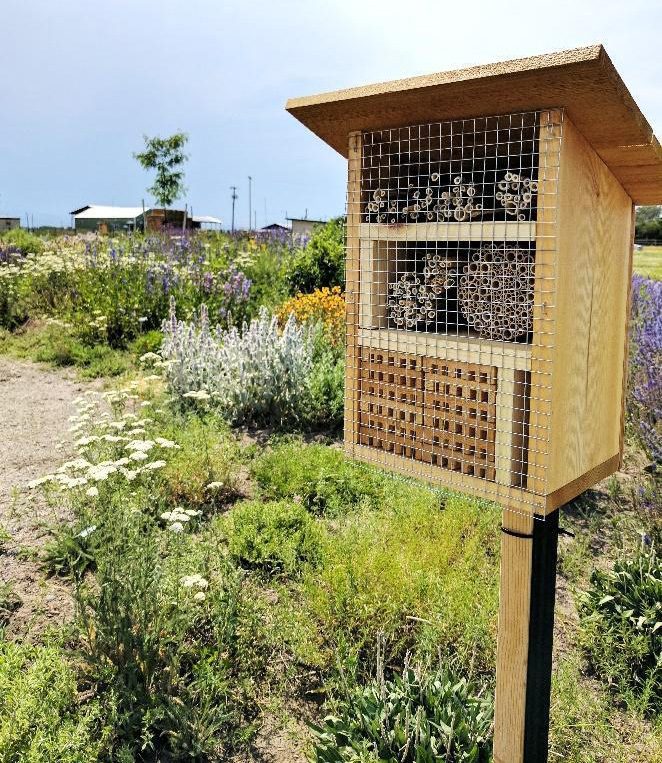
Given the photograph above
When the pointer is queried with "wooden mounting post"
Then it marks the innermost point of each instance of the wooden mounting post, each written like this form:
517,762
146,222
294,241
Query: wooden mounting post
526,626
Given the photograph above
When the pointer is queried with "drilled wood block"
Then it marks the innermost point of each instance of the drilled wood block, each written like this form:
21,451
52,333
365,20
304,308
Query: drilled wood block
439,412
390,401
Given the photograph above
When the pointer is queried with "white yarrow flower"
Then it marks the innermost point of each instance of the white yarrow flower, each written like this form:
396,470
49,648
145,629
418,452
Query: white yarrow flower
143,445
113,438
155,465
194,581
67,481
87,531
200,394
40,481
86,440
101,471
93,491
76,464
165,443
177,515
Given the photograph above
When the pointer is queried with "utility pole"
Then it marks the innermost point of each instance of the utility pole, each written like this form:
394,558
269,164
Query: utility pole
233,188
250,202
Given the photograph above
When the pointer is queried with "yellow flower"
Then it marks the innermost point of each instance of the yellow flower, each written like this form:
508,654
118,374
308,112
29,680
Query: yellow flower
324,305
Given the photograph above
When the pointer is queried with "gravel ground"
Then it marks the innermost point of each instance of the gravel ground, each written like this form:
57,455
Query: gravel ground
34,407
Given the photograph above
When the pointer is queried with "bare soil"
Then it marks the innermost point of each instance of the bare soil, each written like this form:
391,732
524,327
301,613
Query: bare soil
34,408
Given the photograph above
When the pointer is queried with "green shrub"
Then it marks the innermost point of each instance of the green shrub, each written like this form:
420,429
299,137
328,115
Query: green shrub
421,716
41,718
22,239
327,384
95,361
278,536
327,394
319,476
265,265
147,342
423,575
621,628
321,262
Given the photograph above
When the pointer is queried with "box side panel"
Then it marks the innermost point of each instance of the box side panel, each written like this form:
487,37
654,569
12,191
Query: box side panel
352,290
592,286
544,315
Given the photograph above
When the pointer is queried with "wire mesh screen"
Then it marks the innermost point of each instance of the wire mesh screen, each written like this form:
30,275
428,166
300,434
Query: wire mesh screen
451,260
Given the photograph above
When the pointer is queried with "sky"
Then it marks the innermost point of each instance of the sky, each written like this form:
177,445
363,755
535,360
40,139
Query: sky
82,82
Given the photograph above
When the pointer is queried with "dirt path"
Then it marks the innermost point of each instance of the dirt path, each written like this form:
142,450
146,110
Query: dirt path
34,407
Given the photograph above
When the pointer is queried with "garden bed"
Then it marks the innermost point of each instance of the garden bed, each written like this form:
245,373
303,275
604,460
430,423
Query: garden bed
237,581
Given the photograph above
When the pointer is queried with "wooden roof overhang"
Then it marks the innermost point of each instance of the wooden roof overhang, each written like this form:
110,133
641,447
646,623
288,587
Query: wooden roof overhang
583,81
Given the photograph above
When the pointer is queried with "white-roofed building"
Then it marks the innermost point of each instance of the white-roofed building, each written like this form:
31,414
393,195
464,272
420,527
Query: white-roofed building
200,220
94,217
302,226
104,219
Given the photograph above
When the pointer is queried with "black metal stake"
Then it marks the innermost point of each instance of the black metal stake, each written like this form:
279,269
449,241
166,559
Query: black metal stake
541,636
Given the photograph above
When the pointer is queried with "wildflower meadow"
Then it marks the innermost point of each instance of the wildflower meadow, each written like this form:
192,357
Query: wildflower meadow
239,589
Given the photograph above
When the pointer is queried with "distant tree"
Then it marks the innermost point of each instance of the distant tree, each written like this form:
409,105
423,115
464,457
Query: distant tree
649,223
648,214
166,156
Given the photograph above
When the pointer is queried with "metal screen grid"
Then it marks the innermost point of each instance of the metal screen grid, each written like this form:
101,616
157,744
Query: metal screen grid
451,275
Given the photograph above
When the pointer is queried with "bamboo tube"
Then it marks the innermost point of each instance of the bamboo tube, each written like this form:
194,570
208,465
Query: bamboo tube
495,291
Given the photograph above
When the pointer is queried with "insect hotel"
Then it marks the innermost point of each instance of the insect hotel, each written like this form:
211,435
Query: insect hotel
489,258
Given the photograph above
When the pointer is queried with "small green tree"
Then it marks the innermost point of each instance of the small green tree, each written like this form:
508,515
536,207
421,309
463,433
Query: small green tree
166,156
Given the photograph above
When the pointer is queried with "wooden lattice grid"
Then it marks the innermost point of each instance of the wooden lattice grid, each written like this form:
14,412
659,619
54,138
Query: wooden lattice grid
390,402
460,416
439,412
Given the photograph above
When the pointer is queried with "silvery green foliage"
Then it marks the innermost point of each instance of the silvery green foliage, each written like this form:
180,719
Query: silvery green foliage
258,373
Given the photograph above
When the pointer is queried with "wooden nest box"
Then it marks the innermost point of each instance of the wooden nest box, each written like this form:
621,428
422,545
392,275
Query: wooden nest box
489,258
